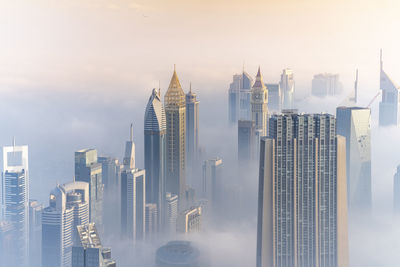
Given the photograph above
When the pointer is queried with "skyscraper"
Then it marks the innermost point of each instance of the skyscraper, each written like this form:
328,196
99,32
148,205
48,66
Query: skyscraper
389,110
396,191
287,87
192,128
211,188
354,123
189,220
151,221
155,151
89,252
259,108
133,195
246,141
326,84
7,247
15,199
274,97
302,206
35,233
68,208
239,97
111,177
88,170
171,212
175,110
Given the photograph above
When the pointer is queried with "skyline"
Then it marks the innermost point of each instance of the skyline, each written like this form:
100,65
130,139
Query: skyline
75,73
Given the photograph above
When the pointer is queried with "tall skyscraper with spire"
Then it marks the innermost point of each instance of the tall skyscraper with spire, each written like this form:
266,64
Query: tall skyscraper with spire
175,111
15,200
259,105
389,110
133,195
287,87
155,130
302,206
192,127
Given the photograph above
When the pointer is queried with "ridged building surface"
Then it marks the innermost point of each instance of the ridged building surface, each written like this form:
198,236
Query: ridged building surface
302,205
155,152
175,110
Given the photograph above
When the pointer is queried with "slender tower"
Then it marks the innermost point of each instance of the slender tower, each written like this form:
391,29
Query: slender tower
389,112
287,86
155,152
15,200
133,195
259,108
192,127
175,111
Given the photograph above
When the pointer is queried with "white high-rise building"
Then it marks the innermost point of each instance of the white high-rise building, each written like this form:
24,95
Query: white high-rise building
68,208
287,87
15,199
189,220
133,195
171,212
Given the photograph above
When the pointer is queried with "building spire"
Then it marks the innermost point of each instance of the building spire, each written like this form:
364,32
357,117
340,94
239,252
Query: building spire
381,60
131,133
14,142
356,87
190,88
259,83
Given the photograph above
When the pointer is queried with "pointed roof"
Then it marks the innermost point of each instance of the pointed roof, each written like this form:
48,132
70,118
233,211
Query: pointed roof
174,95
386,83
154,116
259,83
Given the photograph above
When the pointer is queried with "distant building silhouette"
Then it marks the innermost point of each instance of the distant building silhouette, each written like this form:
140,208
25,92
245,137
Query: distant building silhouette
326,84
192,128
396,191
240,97
287,87
274,97
246,141
171,213
389,109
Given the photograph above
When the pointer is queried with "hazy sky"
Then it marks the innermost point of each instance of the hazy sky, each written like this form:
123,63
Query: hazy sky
106,45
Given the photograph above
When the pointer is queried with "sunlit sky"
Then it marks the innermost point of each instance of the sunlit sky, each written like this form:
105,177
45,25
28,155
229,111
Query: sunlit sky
121,44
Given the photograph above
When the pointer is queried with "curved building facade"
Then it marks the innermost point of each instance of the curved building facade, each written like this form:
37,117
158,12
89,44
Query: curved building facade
178,254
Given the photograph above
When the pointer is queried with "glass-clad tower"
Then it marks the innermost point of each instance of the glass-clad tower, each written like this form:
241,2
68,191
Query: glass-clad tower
389,107
155,151
15,200
354,123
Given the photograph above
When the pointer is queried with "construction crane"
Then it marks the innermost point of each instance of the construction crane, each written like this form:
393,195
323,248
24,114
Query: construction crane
373,99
